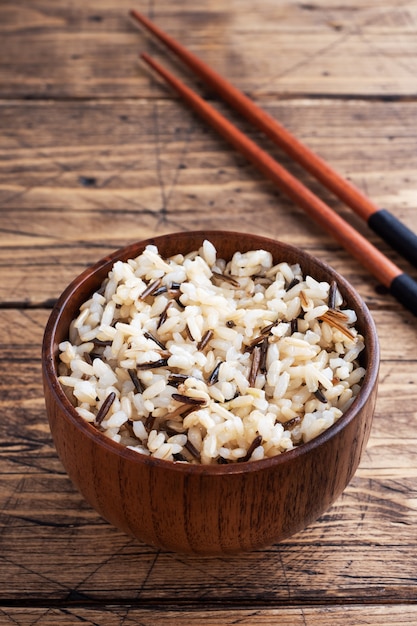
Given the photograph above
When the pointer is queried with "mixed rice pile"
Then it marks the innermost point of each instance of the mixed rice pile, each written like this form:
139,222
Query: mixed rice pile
195,359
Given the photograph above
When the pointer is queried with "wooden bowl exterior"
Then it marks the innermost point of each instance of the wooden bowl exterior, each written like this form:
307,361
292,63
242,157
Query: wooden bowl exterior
207,509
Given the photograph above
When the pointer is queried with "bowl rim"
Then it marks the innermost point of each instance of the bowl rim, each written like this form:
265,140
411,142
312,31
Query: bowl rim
50,355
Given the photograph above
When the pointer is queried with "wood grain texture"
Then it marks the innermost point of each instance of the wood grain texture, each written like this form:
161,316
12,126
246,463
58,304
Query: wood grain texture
401,615
125,171
60,50
95,154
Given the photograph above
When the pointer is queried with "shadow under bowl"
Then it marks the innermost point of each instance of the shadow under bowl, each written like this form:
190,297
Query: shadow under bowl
215,509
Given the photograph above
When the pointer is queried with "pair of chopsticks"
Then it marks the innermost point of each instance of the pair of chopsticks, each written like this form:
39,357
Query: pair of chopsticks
400,284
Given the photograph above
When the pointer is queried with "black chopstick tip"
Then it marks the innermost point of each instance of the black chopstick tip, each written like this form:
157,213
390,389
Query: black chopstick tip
395,233
404,289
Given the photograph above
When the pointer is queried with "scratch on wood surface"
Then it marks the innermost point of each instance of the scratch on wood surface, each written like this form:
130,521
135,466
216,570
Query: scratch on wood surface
127,167
22,192
250,615
284,571
101,565
167,191
52,583
164,208
148,574
342,35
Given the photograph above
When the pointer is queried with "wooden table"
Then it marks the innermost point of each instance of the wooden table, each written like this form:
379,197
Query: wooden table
96,154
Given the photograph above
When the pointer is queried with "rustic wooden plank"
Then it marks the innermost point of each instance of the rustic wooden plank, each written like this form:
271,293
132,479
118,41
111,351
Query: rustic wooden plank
103,565
120,174
155,147
354,48
400,615
99,155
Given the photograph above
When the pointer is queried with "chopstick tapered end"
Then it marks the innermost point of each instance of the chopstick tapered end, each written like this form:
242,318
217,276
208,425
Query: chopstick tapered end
148,59
159,69
139,17
135,14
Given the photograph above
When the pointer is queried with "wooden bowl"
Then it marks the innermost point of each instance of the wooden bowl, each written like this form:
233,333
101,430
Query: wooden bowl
214,509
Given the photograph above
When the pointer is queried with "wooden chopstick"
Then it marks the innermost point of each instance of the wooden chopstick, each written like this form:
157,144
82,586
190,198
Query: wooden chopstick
386,225
378,264
402,286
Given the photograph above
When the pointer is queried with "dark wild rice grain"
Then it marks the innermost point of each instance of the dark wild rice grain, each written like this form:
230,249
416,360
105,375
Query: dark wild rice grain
177,379
292,284
152,364
320,395
205,339
192,450
255,443
226,278
135,380
264,352
159,291
256,360
164,315
100,343
153,338
150,289
214,376
179,397
149,422
105,408
332,295
292,422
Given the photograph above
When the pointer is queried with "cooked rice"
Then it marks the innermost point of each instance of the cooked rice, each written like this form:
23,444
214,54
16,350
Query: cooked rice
200,360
